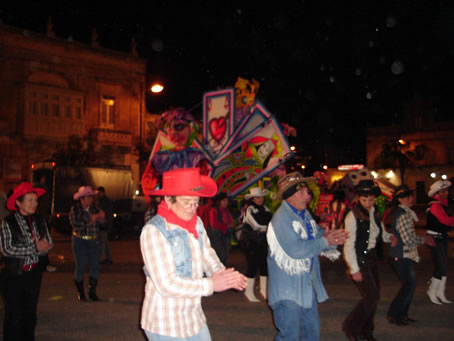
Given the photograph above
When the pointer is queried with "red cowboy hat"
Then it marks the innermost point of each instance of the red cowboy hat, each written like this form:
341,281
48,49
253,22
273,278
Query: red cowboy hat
186,181
19,191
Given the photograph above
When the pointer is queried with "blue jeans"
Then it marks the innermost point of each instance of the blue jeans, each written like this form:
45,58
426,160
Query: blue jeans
407,277
85,249
295,322
203,335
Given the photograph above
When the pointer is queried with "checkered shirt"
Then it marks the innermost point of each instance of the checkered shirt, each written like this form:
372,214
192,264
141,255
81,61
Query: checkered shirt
172,304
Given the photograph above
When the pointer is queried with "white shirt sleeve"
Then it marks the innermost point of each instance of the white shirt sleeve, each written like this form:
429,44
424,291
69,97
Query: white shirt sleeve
349,245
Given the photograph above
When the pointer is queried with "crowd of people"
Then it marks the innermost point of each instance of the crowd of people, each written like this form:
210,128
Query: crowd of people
185,245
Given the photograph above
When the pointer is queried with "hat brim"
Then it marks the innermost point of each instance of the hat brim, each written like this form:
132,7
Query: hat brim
11,202
403,194
209,188
78,195
434,191
283,189
263,194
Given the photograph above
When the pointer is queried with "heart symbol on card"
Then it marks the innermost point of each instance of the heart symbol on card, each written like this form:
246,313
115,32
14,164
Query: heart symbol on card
217,128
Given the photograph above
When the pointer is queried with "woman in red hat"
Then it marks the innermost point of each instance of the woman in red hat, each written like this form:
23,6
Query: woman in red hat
180,264
24,237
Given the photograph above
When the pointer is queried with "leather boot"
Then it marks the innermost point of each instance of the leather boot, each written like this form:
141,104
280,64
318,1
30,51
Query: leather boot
80,290
441,291
249,292
92,289
433,289
263,288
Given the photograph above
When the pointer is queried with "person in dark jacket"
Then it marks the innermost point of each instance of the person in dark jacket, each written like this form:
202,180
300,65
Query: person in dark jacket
105,204
85,220
365,236
256,216
404,253
24,239
439,223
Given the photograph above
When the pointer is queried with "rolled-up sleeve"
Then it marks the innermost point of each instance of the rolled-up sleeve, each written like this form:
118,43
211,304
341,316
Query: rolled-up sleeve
349,245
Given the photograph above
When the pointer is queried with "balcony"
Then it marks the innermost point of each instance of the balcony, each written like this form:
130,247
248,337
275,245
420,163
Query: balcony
112,137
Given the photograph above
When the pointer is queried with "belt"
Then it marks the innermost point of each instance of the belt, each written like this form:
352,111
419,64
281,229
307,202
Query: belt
29,267
86,237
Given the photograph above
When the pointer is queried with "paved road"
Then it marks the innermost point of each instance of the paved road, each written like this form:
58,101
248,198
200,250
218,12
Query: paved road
230,316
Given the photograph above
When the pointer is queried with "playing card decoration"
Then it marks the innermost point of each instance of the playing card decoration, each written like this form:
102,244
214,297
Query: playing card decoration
218,121
239,145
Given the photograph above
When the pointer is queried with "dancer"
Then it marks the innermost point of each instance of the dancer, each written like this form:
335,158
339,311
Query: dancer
256,216
404,253
438,226
365,235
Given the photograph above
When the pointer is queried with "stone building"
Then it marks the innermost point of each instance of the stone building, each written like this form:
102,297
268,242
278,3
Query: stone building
420,150
52,89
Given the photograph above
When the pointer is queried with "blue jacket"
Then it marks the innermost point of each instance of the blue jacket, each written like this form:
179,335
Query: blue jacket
178,240
293,265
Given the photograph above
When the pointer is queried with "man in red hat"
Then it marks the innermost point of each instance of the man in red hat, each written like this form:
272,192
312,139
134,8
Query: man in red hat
180,264
85,220
24,239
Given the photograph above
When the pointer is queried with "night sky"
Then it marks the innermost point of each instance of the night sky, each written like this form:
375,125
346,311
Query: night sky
329,68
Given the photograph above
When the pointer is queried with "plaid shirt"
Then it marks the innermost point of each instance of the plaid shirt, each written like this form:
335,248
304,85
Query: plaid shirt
80,220
172,304
26,249
406,229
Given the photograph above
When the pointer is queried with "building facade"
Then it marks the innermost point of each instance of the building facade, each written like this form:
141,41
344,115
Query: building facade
55,90
419,151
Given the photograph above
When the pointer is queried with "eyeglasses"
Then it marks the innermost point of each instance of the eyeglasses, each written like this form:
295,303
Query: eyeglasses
188,203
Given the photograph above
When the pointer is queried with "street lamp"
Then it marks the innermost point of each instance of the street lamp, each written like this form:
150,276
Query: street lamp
157,88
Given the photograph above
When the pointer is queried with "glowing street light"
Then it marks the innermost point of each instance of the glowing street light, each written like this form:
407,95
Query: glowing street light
292,148
157,88
444,176
433,175
325,167
390,174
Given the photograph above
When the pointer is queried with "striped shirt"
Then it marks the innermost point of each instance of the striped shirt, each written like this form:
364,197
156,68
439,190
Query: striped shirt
172,304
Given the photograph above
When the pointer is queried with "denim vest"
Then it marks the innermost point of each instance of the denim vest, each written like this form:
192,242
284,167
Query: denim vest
179,243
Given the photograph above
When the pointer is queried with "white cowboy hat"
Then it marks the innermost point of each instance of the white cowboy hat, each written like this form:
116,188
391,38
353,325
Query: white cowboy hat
437,186
256,192
84,191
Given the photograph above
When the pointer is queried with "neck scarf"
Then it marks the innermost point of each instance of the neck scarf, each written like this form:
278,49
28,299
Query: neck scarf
171,217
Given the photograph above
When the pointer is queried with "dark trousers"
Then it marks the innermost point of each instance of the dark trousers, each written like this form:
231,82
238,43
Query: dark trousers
360,322
21,294
256,259
220,243
440,256
399,307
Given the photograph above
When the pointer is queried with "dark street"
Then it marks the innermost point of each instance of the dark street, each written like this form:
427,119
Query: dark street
230,316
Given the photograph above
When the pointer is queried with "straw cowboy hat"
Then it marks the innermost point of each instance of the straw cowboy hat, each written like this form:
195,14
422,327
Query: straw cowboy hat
437,186
19,191
84,191
256,192
186,181
288,184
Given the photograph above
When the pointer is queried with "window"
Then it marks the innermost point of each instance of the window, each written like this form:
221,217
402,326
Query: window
53,102
108,112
